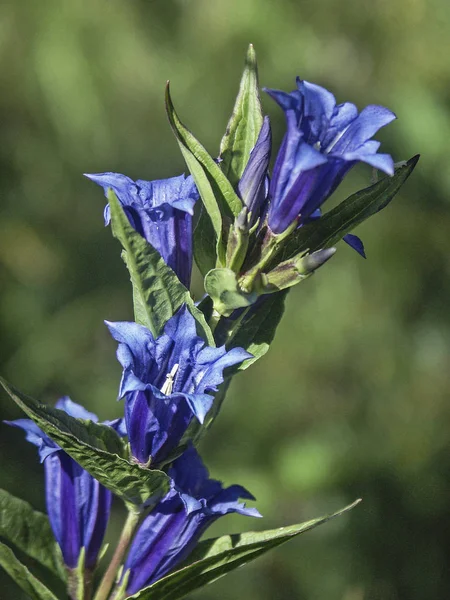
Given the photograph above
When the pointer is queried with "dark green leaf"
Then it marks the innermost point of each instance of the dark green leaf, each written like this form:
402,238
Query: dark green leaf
245,123
335,224
29,531
97,448
22,576
219,198
157,291
214,558
256,330
204,243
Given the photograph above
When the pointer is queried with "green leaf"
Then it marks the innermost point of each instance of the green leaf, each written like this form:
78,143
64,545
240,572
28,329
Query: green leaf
256,330
157,291
217,557
30,532
245,123
97,448
219,198
22,576
335,224
204,243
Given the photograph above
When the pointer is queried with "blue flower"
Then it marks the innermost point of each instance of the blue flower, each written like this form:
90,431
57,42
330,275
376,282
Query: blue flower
166,381
78,505
323,141
161,211
171,531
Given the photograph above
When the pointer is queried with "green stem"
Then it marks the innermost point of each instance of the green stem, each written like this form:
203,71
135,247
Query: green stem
214,320
110,576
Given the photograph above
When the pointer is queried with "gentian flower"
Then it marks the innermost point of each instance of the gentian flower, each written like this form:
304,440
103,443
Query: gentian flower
161,211
170,532
323,141
166,382
78,505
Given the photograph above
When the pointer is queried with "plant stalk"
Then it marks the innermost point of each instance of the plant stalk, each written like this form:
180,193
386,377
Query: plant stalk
110,575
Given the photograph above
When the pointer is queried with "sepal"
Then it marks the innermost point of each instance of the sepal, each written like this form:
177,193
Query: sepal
237,243
79,583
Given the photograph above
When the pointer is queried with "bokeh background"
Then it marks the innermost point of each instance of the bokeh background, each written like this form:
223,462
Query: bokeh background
352,399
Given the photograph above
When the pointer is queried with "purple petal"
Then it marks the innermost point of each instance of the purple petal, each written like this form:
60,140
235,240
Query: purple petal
366,125
383,162
253,181
318,107
75,410
354,242
36,436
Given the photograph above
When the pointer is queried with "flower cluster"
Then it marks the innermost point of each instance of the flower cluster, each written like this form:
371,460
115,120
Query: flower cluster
166,383
323,141
174,375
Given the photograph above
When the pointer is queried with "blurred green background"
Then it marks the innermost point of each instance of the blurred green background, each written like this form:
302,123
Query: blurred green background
352,400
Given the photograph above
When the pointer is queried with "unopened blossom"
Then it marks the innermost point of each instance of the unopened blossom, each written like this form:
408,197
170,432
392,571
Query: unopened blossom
254,183
78,506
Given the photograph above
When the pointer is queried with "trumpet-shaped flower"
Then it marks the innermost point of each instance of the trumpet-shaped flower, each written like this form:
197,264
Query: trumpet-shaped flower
170,532
166,381
322,142
161,211
78,505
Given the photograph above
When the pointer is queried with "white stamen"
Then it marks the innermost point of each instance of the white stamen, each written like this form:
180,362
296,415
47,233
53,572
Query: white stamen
333,142
170,377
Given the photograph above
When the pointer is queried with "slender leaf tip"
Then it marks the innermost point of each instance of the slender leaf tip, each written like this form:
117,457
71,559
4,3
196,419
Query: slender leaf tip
250,59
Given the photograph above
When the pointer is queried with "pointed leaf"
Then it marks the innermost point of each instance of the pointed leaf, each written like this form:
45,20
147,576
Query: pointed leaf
97,448
217,557
256,328
245,123
218,196
335,224
22,576
30,532
157,291
226,198
204,243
